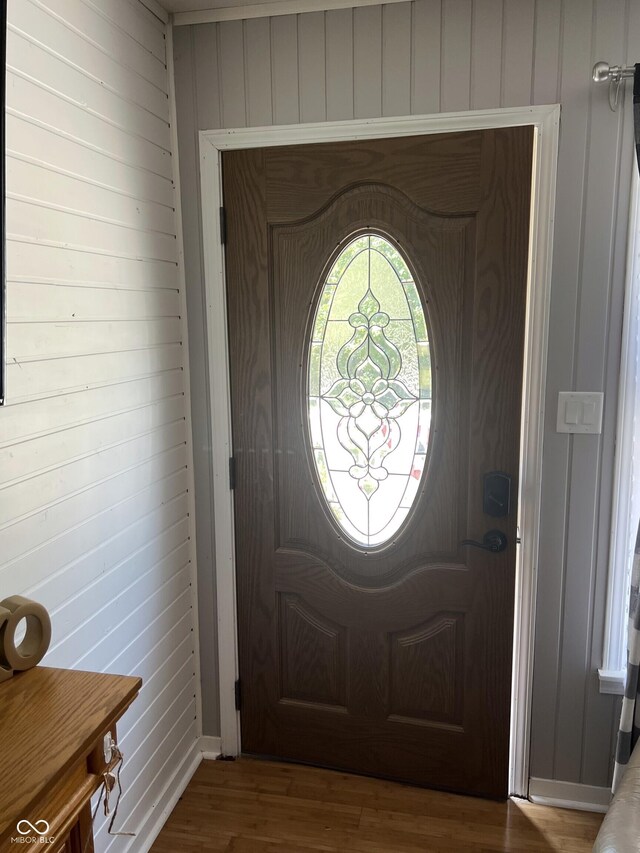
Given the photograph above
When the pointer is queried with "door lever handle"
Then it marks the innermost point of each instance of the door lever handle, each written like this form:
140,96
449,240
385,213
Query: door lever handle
493,540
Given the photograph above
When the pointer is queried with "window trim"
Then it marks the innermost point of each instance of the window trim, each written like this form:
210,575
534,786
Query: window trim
612,674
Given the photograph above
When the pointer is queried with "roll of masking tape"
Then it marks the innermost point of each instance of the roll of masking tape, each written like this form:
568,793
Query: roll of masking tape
35,642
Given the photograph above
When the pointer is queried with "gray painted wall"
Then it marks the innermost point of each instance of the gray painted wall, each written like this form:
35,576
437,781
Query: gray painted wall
441,55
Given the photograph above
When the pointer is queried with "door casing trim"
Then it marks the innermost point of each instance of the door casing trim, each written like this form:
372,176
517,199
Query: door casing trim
546,122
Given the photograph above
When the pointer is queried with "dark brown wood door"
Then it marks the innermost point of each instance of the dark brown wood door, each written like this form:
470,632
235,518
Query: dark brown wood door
376,297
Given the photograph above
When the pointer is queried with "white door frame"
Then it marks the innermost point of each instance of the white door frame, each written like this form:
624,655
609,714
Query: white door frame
545,120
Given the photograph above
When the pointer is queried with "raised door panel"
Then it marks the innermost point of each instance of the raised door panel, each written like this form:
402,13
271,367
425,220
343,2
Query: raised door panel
312,656
427,672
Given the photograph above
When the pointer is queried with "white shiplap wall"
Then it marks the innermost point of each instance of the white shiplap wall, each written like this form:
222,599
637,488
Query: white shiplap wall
430,56
95,492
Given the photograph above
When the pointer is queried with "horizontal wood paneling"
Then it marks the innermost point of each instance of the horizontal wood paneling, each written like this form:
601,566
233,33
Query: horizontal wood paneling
61,519
427,56
28,496
134,519
55,303
69,116
31,340
124,624
46,146
144,29
66,410
33,60
40,379
95,479
24,460
105,32
36,25
48,185
167,758
34,261
33,220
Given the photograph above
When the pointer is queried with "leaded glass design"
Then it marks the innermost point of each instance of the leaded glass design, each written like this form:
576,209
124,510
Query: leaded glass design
369,390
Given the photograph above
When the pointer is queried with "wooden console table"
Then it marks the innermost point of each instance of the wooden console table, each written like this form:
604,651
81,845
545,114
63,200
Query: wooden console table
52,728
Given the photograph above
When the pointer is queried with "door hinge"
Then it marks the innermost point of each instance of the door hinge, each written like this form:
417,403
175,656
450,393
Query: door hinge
223,226
232,473
238,693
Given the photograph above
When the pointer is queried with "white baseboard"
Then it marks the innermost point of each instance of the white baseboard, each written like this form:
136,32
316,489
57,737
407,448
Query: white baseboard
209,747
569,795
170,795
204,748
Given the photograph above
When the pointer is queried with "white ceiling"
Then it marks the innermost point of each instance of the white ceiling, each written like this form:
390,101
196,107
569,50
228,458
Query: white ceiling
200,11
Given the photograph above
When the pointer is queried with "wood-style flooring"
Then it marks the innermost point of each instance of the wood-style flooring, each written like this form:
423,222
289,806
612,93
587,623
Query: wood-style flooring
250,806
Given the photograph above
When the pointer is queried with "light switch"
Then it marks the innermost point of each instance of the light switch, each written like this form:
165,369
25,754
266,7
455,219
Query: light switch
580,411
572,412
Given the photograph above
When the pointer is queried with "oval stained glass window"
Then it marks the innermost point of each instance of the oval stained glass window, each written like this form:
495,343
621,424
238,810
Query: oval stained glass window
369,390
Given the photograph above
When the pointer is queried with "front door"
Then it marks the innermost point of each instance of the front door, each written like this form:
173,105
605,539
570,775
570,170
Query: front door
376,295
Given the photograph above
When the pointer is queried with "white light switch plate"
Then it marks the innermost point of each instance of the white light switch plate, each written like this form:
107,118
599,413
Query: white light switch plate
580,411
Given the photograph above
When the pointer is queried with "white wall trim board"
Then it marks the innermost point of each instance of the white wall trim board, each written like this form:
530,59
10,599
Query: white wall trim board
569,795
204,749
193,560
545,120
268,9
171,793
209,747
612,681
159,11
542,224
221,451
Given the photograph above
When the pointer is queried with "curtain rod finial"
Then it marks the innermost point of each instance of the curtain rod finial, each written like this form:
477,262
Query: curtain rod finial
601,72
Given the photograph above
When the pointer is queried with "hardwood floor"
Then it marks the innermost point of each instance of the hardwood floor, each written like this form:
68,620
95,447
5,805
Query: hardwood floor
250,806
